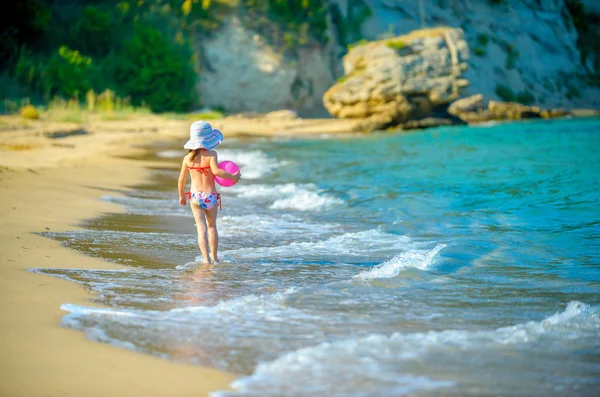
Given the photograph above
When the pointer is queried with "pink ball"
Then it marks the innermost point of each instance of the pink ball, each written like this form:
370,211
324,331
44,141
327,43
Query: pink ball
230,167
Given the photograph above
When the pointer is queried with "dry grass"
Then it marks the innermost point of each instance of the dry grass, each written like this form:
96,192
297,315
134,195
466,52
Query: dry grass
17,147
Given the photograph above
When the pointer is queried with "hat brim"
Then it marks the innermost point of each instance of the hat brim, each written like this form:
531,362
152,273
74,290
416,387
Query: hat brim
208,144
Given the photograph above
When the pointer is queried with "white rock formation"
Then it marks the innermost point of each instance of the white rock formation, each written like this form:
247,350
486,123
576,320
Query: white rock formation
241,72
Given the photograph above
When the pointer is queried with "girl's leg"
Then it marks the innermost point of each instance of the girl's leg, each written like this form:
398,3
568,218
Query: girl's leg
201,229
213,235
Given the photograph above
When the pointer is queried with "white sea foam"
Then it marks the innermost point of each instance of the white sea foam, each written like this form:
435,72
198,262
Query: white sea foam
300,197
190,265
256,304
348,244
285,225
352,366
418,259
253,164
246,309
97,334
84,310
307,201
273,191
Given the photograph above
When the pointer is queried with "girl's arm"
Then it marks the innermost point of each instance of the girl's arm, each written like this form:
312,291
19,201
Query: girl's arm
181,182
222,173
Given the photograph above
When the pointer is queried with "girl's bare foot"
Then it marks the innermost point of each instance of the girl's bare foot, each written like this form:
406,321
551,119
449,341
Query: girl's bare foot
215,260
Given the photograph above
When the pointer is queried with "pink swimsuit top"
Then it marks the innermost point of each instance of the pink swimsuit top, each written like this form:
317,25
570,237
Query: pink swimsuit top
203,170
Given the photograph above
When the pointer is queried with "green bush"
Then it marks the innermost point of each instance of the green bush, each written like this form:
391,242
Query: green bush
505,93
130,47
64,73
511,57
67,73
94,31
482,39
29,112
152,69
525,97
573,93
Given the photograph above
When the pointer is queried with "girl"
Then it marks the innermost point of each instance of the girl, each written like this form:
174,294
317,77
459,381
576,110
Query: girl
201,162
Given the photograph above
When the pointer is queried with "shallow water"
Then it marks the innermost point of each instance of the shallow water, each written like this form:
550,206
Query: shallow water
456,261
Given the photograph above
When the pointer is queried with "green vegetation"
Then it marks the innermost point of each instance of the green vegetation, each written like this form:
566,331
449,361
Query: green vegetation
482,39
511,56
525,97
358,43
288,25
507,95
207,115
395,44
106,105
479,51
134,48
588,34
572,93
146,50
29,112
349,29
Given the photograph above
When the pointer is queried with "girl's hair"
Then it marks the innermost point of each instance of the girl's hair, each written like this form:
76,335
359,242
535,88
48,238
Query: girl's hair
195,153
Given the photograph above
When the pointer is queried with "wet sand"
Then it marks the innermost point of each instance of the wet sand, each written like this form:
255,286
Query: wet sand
52,178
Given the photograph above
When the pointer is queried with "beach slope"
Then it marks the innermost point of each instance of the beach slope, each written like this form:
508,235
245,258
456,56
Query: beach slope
53,188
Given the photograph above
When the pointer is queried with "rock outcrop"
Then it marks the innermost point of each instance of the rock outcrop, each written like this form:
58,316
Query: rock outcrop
392,81
472,110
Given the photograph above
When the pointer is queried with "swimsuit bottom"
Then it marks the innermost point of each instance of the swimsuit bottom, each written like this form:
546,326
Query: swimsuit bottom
204,200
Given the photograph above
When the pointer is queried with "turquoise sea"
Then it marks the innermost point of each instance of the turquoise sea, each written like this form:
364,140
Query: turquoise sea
458,261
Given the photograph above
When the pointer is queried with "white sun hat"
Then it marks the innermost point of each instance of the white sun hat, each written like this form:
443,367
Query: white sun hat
203,136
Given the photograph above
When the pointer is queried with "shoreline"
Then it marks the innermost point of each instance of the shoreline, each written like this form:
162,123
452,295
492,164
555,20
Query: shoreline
52,176
54,189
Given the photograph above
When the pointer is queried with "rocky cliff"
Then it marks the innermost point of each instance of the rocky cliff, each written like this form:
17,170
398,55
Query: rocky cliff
528,51
525,50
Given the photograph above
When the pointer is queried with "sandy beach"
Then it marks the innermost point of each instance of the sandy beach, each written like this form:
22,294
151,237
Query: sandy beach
52,176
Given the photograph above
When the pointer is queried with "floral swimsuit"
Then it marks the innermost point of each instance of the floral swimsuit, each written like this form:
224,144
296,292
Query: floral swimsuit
204,200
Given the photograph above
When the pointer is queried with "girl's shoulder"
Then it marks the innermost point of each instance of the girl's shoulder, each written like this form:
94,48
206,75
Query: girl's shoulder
187,158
